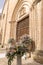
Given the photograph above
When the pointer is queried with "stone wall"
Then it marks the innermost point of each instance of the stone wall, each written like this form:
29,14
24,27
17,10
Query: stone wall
35,24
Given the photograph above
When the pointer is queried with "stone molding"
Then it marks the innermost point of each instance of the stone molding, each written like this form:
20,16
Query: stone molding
22,10
34,4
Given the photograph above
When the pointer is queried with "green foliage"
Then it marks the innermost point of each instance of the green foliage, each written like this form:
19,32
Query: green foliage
19,49
10,57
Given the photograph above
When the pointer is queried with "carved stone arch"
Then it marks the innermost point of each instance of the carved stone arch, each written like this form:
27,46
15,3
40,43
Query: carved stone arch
19,20
20,5
23,9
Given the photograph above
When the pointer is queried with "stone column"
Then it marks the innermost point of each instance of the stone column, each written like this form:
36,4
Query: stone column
38,25
33,24
11,29
13,25
38,56
42,26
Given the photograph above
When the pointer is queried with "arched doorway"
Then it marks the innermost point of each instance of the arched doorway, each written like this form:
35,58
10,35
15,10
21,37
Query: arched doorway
22,27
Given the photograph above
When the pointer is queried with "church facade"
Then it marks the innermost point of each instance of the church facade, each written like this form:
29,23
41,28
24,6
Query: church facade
22,17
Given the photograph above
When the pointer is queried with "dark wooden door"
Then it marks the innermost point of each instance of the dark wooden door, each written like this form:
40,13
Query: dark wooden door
22,27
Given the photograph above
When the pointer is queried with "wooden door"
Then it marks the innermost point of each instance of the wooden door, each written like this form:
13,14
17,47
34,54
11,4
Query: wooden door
22,27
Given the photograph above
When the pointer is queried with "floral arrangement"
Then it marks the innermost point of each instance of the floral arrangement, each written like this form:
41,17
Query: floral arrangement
23,46
17,50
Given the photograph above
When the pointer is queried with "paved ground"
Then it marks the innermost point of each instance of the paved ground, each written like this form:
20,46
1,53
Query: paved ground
3,61
28,61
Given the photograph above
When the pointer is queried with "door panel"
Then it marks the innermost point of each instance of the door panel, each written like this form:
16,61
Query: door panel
22,27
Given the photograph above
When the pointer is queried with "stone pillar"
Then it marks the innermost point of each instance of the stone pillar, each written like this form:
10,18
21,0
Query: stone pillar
33,24
42,26
13,29
38,56
38,26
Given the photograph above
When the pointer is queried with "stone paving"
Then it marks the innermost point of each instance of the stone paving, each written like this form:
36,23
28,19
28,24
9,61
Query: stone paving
28,61
3,61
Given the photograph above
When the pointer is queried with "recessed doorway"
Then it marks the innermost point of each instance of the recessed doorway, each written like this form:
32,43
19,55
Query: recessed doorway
22,27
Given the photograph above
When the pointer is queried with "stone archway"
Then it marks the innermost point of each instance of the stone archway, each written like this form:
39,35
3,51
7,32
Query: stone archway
19,13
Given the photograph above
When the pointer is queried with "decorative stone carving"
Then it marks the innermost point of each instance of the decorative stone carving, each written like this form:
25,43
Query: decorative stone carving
23,10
